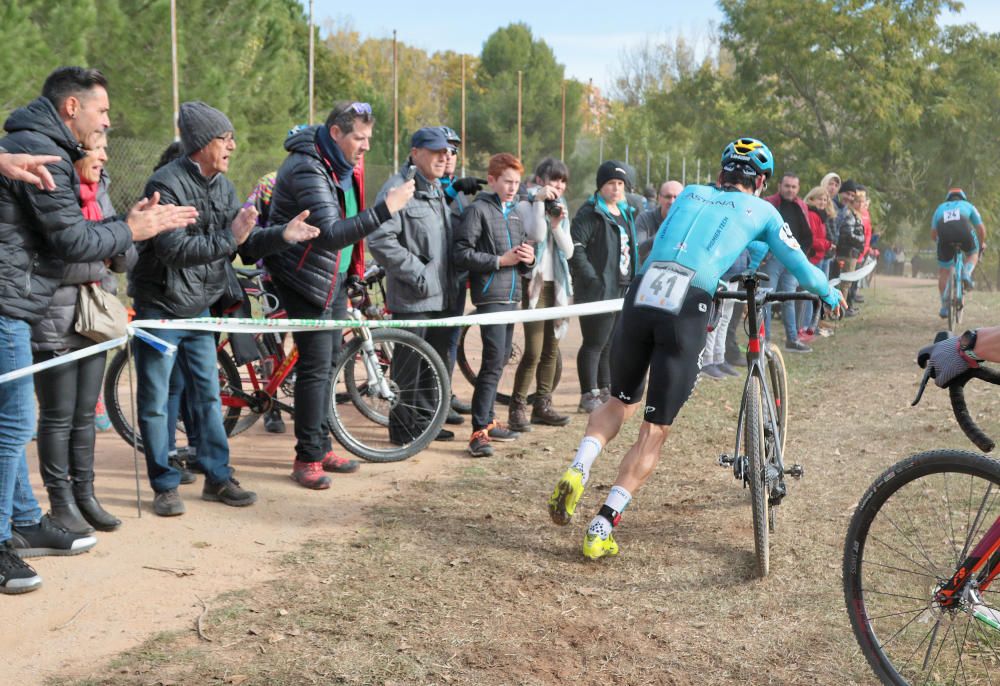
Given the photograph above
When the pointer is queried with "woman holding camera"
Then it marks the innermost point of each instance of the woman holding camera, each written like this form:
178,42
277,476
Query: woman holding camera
546,222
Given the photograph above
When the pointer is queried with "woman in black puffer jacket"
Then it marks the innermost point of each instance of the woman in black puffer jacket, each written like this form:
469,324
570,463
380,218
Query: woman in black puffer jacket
68,393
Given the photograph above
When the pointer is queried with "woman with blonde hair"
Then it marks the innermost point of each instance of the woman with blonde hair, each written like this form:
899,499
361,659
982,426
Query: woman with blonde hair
822,223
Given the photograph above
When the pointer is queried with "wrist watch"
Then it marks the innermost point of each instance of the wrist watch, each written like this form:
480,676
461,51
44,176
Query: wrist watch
967,343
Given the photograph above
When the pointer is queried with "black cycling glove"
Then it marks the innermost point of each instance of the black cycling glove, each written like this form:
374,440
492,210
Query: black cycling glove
470,185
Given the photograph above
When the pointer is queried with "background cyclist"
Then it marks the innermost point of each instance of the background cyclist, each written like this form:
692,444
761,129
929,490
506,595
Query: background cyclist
662,326
956,220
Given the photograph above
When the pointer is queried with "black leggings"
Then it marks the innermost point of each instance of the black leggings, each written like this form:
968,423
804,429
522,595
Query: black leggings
593,361
67,395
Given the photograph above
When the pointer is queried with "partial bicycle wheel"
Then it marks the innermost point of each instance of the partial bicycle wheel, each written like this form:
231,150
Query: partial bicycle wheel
470,359
912,529
119,397
777,379
363,394
415,408
753,446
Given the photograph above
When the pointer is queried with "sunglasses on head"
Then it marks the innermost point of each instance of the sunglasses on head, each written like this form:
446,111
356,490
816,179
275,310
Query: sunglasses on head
360,107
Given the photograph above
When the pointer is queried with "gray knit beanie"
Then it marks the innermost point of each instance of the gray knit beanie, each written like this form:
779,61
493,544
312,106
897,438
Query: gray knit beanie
199,124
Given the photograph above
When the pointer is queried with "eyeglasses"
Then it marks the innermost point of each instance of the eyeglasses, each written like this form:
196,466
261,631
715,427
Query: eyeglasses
360,107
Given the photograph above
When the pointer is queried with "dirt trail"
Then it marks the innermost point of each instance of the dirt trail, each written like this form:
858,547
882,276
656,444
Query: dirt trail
444,569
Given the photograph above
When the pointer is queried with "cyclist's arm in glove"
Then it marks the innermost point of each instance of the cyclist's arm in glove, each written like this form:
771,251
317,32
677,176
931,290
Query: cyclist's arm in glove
948,360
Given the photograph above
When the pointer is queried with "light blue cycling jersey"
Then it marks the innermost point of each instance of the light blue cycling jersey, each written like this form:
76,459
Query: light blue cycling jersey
966,211
707,228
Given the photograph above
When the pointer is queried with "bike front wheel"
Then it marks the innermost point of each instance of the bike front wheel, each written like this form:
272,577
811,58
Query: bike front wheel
777,379
912,529
412,392
756,473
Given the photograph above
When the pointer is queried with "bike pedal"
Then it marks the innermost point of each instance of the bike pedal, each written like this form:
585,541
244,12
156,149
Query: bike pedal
795,470
726,460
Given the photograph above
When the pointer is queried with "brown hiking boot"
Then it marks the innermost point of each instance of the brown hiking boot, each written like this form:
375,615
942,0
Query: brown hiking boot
517,419
544,413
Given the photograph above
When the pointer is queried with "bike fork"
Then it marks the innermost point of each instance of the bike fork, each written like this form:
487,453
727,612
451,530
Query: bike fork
372,366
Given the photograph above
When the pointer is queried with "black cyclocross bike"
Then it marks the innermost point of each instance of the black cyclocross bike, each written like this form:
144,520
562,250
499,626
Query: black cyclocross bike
762,421
920,559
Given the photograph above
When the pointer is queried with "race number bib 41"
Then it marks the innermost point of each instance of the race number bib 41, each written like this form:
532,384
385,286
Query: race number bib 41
664,286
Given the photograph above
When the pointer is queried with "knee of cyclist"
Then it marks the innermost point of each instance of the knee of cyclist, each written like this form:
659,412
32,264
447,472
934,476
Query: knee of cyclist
654,432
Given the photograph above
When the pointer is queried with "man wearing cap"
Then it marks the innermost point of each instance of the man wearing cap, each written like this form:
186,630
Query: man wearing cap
323,174
180,274
414,247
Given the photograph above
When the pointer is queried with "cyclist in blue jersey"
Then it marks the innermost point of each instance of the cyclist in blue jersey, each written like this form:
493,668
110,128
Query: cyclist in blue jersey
662,327
957,222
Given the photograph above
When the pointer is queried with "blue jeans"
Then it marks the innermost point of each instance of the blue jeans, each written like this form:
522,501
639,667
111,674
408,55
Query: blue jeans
17,421
781,280
196,357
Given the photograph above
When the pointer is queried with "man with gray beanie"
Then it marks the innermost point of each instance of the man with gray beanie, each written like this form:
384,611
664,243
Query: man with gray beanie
414,246
181,274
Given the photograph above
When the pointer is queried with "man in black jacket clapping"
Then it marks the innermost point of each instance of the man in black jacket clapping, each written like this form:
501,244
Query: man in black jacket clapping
181,274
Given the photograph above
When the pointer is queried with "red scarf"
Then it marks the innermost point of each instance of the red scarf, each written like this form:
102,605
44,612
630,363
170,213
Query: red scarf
88,201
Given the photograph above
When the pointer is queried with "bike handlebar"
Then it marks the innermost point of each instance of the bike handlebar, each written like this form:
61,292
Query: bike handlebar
777,296
956,393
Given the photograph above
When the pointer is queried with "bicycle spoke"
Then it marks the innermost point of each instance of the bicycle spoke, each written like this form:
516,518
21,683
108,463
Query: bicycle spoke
870,563
930,572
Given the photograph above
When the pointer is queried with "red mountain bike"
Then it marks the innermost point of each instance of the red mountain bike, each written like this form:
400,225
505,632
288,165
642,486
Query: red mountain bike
922,552
365,393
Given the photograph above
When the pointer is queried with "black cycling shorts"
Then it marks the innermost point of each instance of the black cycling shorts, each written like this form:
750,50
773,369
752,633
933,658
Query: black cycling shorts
667,346
951,233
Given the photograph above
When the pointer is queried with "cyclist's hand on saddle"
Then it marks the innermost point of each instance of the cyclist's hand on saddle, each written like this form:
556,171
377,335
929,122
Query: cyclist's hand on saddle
469,185
243,224
397,198
297,230
946,360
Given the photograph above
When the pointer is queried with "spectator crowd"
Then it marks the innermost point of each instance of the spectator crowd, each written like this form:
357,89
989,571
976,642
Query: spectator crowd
502,243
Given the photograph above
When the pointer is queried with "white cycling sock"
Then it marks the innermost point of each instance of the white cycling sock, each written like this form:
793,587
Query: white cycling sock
618,499
600,526
588,451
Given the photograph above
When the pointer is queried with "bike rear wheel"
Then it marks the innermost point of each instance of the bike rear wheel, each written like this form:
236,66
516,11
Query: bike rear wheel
413,357
470,359
912,529
119,396
753,445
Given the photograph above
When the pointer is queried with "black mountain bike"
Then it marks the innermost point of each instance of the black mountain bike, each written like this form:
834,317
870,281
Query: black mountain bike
763,417
921,555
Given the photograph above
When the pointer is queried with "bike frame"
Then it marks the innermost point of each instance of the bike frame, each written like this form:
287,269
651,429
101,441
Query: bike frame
755,368
240,398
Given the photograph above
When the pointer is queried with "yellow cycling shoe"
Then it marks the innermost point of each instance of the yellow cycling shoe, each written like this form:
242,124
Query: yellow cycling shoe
596,546
563,501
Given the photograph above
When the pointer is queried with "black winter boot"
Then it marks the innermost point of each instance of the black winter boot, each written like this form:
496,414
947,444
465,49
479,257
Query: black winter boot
64,511
91,509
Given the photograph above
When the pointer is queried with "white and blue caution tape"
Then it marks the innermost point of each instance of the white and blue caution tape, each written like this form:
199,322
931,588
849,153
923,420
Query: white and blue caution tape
856,275
138,328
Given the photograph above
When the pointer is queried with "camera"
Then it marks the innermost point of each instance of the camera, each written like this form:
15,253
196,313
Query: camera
553,208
